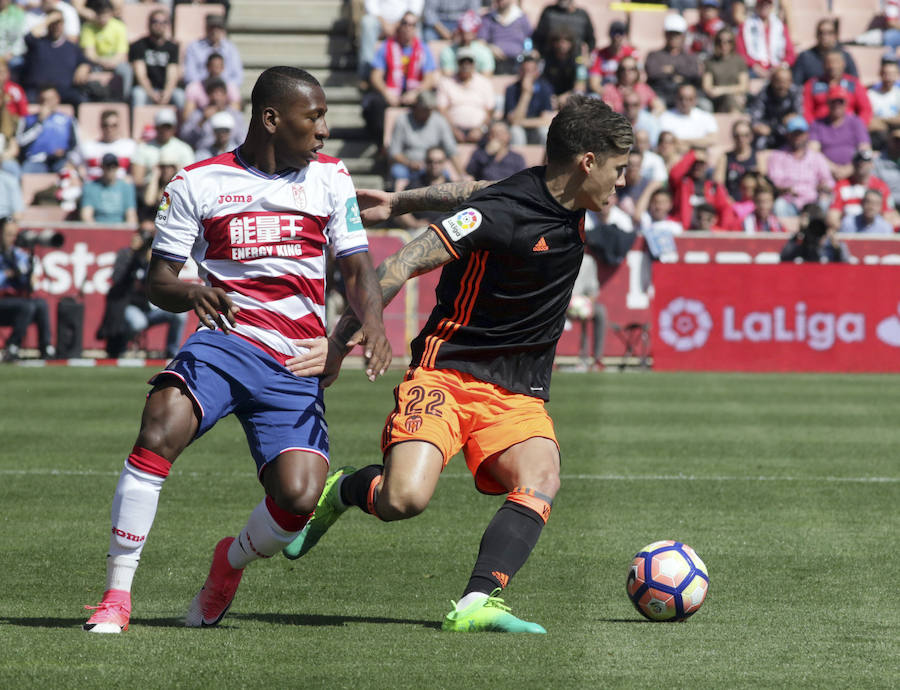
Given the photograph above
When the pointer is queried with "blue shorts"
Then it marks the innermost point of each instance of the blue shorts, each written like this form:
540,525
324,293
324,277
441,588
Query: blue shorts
278,410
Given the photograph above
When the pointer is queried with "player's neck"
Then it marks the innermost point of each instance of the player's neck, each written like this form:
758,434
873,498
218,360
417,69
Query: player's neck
562,185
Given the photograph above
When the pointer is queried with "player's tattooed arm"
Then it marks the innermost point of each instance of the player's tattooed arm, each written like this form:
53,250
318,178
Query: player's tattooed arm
439,197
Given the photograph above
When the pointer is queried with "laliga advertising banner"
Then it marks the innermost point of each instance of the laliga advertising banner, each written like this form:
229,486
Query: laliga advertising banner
792,317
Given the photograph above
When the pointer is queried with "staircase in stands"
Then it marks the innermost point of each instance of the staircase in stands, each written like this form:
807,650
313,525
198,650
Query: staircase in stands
314,35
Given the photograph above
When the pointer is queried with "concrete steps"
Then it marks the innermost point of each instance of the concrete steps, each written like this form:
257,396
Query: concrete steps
278,16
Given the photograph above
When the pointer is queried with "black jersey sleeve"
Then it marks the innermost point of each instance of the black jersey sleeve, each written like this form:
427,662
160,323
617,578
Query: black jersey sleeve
484,223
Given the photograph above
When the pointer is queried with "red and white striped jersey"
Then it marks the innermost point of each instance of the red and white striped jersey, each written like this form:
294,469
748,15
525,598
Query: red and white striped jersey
262,238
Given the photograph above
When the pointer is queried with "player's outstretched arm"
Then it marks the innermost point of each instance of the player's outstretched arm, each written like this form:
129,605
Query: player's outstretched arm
377,206
364,297
211,305
423,254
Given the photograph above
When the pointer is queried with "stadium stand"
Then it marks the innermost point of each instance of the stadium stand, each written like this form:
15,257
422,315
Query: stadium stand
189,22
89,117
135,16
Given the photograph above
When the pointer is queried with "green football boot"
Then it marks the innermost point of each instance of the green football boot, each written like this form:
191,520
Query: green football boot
488,615
328,510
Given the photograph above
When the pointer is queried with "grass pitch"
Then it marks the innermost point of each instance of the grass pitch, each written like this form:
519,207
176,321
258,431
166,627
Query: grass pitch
788,487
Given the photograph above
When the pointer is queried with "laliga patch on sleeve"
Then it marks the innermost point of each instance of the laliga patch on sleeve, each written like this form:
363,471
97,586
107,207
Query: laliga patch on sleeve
462,223
354,221
162,211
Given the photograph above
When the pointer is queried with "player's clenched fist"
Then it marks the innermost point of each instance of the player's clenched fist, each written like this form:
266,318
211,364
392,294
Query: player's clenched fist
214,308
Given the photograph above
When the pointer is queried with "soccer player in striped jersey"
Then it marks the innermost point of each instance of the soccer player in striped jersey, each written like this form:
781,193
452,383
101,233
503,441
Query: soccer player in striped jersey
480,370
258,221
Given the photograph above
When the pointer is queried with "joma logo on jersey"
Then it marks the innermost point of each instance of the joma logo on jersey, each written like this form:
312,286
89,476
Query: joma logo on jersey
235,198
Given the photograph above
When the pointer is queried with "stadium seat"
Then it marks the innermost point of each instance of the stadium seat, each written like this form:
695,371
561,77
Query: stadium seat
142,116
136,17
534,154
868,62
44,214
840,7
533,9
89,118
803,32
437,47
601,17
464,154
852,23
818,6
726,121
35,182
190,21
646,30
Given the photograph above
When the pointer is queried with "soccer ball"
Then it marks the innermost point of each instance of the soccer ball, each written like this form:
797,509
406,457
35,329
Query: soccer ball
667,581
581,308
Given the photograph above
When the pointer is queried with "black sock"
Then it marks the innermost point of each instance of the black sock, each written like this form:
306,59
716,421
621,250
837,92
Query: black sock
355,487
507,542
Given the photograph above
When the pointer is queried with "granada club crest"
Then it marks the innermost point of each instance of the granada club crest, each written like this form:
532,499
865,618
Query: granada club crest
299,196
413,423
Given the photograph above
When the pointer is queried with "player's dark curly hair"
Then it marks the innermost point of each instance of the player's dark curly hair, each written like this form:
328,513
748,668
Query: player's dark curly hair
277,84
587,124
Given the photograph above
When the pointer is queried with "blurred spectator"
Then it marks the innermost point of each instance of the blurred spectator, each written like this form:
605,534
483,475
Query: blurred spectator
726,81
691,184
89,154
128,310
436,171
19,308
668,148
223,127
634,196
849,192
659,228
493,159
672,65
887,166
706,217
416,132
46,137
110,199
563,14
628,79
816,91
762,219
466,99
744,195
528,103
152,194
772,108
379,22
605,61
890,37
741,159
403,67
465,36
52,59
885,100
587,312
440,17
800,174
215,41
701,35
39,10
563,67
692,126
154,61
163,144
839,134
506,30
11,202
810,64
869,220
815,241
641,120
195,93
14,100
198,130
105,44
12,33
763,40
653,166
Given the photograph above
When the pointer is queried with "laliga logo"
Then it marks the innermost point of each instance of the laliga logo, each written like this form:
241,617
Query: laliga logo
888,331
684,324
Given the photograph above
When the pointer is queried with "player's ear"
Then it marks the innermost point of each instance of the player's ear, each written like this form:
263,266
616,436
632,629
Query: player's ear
270,118
587,162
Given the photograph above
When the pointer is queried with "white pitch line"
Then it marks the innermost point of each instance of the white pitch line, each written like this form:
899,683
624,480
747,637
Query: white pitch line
564,477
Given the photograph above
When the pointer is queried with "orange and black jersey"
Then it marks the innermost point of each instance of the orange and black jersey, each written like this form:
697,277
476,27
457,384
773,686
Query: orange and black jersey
501,304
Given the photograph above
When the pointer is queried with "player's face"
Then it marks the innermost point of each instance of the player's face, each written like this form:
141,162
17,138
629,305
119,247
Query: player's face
601,182
301,130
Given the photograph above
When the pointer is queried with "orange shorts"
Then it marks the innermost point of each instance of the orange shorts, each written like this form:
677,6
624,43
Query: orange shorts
453,411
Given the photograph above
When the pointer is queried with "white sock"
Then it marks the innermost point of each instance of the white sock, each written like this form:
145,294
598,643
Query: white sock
133,510
470,599
261,537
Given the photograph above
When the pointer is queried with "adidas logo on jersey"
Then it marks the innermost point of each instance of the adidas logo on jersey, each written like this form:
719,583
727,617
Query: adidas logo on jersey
540,246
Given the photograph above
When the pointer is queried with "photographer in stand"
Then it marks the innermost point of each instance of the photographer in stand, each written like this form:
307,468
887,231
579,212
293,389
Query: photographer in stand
18,307
128,310
816,240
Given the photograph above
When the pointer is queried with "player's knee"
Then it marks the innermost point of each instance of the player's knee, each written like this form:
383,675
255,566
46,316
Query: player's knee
400,505
297,497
